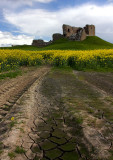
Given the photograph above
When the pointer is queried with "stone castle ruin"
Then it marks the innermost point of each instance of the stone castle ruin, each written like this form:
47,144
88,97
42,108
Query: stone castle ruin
72,33
77,33
40,43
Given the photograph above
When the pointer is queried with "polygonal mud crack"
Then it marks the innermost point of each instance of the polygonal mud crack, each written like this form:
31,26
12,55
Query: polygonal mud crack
58,141
58,133
70,156
47,145
44,135
53,154
35,149
29,154
44,128
69,147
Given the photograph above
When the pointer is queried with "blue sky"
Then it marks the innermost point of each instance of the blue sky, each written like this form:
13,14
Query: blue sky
21,21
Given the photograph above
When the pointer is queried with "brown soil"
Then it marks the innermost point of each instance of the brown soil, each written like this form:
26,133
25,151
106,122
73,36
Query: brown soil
60,116
12,99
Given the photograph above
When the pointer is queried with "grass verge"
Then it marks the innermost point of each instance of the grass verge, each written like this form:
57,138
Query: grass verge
11,74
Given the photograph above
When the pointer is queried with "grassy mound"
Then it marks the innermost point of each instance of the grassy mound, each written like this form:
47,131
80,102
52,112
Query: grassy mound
90,43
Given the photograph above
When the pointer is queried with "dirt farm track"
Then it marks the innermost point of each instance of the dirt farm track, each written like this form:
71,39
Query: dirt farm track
54,114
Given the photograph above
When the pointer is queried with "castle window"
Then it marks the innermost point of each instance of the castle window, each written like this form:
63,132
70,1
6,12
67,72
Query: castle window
68,30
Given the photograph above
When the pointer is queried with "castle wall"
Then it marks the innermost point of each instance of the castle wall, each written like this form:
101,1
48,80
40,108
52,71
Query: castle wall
57,36
83,35
68,30
40,43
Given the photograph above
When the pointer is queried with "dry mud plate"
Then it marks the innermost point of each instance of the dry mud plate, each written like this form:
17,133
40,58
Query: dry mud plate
58,115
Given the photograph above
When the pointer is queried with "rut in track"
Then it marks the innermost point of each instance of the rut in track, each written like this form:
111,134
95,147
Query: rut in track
10,92
70,119
56,133
66,132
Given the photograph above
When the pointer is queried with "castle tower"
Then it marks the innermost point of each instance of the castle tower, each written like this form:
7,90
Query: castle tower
90,30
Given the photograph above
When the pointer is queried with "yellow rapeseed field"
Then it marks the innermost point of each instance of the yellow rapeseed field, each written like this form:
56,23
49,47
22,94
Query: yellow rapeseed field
77,59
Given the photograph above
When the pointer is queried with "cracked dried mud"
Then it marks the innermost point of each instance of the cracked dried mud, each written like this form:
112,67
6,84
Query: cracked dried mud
58,115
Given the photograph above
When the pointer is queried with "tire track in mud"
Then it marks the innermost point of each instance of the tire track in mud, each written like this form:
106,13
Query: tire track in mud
56,134
10,93
97,81
99,85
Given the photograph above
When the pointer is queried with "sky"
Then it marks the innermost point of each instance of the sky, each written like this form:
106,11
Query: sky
21,21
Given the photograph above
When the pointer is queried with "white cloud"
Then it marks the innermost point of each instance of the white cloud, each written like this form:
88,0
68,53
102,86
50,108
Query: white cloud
38,22
43,1
14,4
26,1
7,39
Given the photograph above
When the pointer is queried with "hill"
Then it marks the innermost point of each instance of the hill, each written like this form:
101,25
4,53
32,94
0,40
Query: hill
90,43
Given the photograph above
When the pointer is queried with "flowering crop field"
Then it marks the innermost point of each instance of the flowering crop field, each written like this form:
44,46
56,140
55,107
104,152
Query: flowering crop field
89,59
